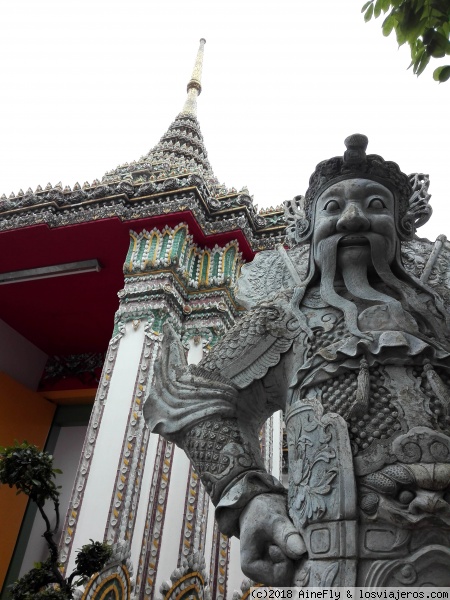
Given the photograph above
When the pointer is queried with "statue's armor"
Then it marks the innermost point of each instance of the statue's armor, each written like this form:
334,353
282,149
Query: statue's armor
385,415
401,516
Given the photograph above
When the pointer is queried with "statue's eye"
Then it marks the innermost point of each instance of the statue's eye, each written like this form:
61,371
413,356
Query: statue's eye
331,206
377,203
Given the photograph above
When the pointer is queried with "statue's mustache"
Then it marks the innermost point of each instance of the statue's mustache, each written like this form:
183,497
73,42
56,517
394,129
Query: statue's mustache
356,281
346,238
327,261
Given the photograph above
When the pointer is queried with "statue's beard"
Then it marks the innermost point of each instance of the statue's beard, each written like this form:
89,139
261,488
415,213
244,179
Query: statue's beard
356,282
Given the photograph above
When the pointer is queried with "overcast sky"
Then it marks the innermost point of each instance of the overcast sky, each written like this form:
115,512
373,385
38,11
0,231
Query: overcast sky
90,84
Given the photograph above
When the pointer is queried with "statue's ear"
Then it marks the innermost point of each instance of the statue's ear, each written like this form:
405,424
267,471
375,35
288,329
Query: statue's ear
298,226
419,210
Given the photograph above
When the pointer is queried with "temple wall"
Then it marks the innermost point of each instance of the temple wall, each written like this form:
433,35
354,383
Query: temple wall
209,534
132,489
235,575
276,444
19,358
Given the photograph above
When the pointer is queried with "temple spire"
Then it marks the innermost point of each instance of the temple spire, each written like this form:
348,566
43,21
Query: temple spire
181,148
194,87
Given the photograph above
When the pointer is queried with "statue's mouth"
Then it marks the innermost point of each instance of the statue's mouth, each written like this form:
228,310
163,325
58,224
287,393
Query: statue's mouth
354,240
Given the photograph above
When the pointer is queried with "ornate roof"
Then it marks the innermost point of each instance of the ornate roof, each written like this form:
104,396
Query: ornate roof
175,175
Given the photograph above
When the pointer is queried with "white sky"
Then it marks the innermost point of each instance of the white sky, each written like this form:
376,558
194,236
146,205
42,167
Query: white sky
90,84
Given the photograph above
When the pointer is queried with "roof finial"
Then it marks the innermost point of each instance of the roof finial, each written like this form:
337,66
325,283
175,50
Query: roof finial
194,87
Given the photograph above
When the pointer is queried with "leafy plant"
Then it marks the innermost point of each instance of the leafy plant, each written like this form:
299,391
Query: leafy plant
36,579
92,557
31,471
423,24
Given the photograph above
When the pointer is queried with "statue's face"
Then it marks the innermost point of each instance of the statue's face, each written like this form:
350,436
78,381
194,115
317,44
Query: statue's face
354,207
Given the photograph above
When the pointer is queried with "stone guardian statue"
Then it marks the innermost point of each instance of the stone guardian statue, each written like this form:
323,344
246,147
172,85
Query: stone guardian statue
348,332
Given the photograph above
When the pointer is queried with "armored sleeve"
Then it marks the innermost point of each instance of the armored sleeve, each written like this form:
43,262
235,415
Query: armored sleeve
215,410
227,458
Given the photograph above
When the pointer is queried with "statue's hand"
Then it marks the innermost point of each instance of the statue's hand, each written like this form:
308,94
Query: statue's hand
269,541
181,381
179,395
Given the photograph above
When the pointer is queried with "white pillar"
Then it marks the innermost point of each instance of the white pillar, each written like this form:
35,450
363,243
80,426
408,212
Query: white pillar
98,470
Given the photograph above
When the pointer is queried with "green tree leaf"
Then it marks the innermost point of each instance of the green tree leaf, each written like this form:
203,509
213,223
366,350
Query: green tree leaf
442,74
377,9
92,558
423,24
30,471
369,13
388,25
422,64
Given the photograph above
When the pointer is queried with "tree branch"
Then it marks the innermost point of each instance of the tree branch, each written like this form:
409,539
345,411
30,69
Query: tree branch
72,575
48,535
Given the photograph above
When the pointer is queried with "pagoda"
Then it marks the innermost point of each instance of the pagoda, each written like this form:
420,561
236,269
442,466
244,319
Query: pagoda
89,276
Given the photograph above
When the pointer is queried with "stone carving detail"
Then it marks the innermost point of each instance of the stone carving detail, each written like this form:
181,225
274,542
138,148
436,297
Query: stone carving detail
347,332
189,578
244,592
322,493
217,449
268,274
85,367
309,452
425,568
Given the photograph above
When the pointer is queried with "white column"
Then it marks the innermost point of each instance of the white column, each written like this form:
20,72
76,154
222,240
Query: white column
141,515
173,521
90,502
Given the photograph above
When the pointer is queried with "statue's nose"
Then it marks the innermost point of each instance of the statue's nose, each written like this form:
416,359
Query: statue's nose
352,219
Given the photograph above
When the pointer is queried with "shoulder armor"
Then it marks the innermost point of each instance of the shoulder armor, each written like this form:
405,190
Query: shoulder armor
430,263
254,344
270,272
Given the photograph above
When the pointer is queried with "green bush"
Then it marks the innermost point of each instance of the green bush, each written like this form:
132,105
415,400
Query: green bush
31,471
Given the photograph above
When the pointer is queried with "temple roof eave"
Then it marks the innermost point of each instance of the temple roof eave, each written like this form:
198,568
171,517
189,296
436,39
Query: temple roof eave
130,202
